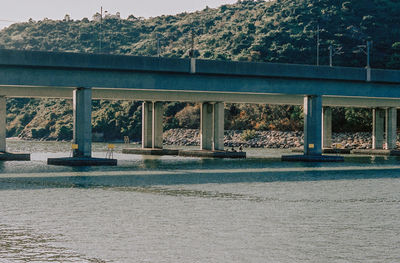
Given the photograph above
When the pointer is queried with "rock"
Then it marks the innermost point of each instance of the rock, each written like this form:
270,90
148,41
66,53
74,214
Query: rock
268,139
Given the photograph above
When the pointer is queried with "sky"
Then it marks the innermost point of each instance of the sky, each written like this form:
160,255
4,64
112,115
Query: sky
12,11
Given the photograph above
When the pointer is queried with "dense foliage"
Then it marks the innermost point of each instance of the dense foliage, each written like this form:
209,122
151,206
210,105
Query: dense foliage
275,31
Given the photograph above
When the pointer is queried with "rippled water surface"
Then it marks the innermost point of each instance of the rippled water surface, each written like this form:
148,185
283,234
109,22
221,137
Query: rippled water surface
173,209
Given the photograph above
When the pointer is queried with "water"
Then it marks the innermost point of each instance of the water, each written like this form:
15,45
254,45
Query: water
172,209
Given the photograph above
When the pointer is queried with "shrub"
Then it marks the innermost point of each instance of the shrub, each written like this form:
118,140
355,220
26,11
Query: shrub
26,118
40,133
248,135
189,117
64,133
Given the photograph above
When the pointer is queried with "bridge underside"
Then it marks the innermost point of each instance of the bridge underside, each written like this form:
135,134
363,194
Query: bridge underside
195,96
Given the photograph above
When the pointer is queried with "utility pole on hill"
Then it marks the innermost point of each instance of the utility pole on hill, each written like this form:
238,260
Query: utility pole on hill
369,45
318,44
333,52
366,49
158,46
191,51
101,30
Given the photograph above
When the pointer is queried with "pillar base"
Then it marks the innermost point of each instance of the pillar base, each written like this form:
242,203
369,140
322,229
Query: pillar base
376,152
312,158
185,153
6,156
82,161
212,154
150,151
327,150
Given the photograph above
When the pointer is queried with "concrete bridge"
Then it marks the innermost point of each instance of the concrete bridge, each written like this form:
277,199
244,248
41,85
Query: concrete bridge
84,77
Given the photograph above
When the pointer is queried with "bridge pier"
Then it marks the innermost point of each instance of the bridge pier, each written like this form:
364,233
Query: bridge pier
147,124
206,126
312,125
327,127
82,133
82,116
384,133
152,126
219,121
3,123
384,128
157,134
4,155
212,126
391,128
312,133
378,128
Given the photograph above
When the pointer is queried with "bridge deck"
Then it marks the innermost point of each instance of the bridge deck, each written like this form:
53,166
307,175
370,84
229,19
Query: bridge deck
62,70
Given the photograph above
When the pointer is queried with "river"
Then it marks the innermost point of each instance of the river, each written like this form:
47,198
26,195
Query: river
174,209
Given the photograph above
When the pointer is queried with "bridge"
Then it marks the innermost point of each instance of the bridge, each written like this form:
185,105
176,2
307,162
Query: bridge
83,77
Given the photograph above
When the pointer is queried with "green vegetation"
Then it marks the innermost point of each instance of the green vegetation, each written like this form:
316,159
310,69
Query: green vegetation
248,135
276,31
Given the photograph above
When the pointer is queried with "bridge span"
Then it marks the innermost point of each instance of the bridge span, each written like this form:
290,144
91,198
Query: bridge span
83,77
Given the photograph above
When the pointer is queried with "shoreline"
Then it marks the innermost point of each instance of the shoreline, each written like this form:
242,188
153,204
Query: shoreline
249,139
269,139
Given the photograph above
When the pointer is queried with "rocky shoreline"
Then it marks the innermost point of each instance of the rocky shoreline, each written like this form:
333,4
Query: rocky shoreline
268,139
258,139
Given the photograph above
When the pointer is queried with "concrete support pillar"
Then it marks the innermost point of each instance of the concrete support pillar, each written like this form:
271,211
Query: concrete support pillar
147,124
391,128
157,130
212,126
327,127
378,121
82,110
312,125
206,126
152,125
219,126
3,123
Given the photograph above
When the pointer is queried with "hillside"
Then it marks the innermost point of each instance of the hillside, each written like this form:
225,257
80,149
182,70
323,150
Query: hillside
276,31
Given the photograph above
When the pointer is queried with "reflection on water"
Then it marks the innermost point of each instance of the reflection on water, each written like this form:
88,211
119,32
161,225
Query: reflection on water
232,196
187,193
144,178
173,209
19,244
